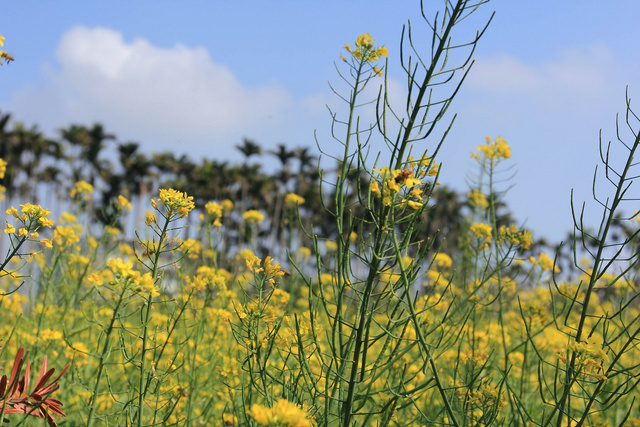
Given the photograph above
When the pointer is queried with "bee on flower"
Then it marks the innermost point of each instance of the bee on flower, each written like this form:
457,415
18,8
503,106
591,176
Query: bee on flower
4,54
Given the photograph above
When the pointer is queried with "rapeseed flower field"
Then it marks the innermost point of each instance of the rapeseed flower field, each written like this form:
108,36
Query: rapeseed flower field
191,319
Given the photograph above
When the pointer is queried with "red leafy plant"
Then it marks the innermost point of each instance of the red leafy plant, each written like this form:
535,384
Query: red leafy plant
14,398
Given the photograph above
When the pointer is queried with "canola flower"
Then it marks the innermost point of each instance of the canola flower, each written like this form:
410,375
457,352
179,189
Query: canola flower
493,151
482,231
293,200
82,190
3,168
175,202
545,262
139,283
252,216
514,236
33,218
478,199
282,414
124,203
365,52
404,186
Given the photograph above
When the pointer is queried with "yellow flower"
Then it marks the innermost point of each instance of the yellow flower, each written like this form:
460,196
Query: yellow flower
13,211
478,199
82,188
66,217
252,216
3,164
121,268
227,205
283,413
252,261
482,231
214,211
145,284
546,263
293,199
443,260
112,230
493,151
124,203
273,271
414,205
304,253
47,243
149,218
374,187
365,51
176,202
10,229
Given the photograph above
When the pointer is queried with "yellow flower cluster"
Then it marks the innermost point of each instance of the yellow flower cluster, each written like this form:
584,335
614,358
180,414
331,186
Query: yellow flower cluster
293,199
494,151
140,283
82,189
3,168
365,51
589,356
32,217
67,235
283,413
215,212
514,236
405,183
124,203
482,231
478,199
252,216
271,271
176,202
545,263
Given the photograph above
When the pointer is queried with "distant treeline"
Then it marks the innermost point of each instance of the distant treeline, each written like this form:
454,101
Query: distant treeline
43,170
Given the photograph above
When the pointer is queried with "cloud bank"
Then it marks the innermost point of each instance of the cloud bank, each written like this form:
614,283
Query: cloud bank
163,96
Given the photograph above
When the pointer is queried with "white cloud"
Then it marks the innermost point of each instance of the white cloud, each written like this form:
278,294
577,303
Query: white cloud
578,73
159,96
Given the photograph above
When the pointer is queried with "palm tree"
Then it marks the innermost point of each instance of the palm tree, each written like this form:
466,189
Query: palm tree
283,176
249,148
90,143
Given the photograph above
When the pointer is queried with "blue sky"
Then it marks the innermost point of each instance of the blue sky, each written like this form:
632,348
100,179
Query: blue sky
198,76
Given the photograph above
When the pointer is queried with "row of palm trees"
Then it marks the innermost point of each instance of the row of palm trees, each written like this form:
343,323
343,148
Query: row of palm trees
42,170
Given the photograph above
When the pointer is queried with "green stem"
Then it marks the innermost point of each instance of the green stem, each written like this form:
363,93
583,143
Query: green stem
103,357
147,317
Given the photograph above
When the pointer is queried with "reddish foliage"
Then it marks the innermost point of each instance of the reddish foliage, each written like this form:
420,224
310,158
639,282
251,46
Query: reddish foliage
15,399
